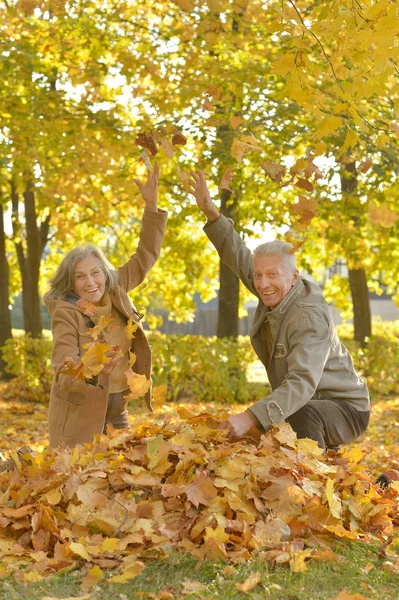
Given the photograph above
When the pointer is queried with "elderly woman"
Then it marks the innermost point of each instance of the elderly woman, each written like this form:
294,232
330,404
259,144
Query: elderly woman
85,288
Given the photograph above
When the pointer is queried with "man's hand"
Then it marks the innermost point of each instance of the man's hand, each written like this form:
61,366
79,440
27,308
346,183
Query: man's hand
149,189
199,190
238,425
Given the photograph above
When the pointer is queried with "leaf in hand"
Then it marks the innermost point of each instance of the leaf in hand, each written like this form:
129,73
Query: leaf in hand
94,359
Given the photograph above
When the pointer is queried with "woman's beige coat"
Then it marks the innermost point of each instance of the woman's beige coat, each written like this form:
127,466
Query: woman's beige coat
77,409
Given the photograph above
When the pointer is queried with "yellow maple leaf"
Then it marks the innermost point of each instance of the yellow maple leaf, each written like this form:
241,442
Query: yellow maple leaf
101,325
132,358
138,385
327,126
334,501
95,358
130,328
132,571
93,577
243,146
350,141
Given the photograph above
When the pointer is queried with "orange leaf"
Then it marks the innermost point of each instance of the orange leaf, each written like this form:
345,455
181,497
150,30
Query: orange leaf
250,583
86,307
235,121
365,165
305,184
382,215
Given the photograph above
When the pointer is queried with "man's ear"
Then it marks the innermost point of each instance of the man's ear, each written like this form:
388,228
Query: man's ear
295,276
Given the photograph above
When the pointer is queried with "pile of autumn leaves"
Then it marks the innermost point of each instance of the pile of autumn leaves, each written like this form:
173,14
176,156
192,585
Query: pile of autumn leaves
141,493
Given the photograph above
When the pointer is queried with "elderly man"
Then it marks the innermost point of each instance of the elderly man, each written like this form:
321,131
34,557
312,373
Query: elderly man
315,386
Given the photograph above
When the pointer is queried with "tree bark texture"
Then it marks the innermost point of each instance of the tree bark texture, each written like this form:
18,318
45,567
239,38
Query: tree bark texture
5,316
229,285
357,277
29,245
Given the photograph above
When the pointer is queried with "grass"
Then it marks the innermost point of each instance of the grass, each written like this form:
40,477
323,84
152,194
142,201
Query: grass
360,571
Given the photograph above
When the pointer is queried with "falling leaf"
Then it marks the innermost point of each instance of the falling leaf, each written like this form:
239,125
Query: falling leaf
179,139
250,583
148,142
243,146
138,385
305,184
382,215
94,576
235,121
167,146
86,307
275,171
207,105
305,209
184,178
365,165
100,326
226,180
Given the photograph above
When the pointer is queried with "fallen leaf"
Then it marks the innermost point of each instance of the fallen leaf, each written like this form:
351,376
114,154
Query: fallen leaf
94,576
250,583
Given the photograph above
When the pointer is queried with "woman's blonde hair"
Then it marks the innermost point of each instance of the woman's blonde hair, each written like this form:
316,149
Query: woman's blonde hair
62,282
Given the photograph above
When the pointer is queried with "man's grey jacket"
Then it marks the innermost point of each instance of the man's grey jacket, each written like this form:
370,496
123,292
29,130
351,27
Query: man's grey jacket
296,341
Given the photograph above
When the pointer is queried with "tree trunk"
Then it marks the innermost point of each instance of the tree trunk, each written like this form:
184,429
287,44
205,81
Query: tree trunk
29,258
357,276
361,304
5,316
229,284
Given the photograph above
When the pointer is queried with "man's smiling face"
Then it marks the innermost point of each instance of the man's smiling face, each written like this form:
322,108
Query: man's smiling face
273,279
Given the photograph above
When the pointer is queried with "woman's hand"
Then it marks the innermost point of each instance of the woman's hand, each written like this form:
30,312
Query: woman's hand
149,189
199,190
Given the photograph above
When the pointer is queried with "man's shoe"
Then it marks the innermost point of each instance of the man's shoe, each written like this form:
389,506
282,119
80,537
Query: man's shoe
386,478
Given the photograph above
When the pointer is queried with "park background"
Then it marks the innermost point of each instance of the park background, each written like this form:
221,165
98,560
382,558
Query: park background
291,108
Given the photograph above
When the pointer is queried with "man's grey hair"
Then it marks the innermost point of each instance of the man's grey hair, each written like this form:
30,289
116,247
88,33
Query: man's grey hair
62,282
277,248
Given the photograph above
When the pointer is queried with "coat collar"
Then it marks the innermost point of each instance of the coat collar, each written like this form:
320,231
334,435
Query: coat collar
286,302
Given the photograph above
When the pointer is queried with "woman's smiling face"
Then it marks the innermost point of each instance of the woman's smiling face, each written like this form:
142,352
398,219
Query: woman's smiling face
273,279
89,279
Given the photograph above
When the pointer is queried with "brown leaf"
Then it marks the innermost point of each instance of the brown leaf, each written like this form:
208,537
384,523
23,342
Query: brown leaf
201,491
179,139
345,596
226,180
305,184
148,142
207,105
365,165
275,171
